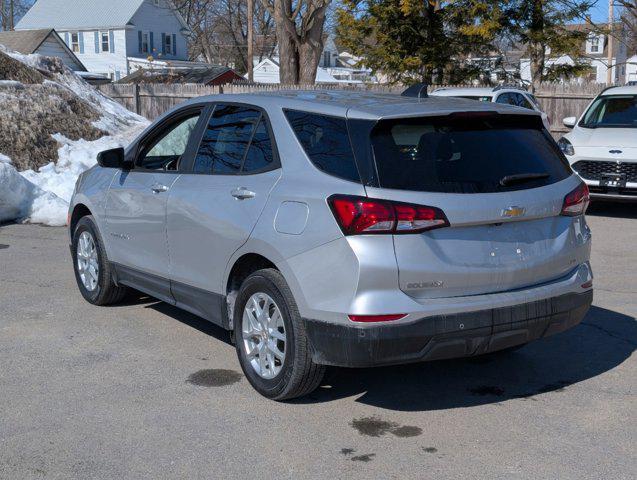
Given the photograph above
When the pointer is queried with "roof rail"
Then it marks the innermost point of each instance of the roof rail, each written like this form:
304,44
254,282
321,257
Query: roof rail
512,87
417,90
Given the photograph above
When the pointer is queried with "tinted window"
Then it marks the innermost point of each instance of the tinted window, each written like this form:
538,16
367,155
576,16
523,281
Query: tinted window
465,155
326,143
515,99
612,111
260,155
226,140
166,150
534,100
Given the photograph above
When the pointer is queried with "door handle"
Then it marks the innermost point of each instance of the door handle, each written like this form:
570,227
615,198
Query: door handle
159,188
242,193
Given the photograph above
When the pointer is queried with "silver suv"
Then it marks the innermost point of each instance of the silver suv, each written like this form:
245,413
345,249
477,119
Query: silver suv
335,228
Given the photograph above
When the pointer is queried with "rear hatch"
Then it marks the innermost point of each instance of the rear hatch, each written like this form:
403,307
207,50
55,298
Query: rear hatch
501,182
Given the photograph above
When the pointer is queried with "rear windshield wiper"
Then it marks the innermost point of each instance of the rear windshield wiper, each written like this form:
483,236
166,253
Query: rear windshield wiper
521,178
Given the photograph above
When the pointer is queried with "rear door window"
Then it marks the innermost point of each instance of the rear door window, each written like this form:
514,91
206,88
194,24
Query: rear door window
260,154
326,142
225,141
481,154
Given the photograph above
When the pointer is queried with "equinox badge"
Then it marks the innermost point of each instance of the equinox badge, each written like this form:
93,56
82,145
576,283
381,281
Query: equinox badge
513,212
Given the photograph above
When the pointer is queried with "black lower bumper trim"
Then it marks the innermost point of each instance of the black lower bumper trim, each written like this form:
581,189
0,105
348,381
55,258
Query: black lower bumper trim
445,336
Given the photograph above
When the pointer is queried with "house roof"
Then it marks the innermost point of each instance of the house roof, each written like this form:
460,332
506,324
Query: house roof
79,14
192,75
28,42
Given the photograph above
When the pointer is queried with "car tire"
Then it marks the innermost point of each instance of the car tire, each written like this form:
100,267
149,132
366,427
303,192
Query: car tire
96,284
297,374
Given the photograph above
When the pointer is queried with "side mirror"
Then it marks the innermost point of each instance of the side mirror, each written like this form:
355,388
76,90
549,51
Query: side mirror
569,122
113,158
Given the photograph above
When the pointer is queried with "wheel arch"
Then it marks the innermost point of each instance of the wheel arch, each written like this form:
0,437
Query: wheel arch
242,268
80,210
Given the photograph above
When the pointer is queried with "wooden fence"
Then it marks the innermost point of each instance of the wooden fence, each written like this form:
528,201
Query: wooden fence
151,100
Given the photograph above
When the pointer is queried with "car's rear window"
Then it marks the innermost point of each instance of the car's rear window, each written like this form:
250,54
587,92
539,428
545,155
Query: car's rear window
326,142
460,154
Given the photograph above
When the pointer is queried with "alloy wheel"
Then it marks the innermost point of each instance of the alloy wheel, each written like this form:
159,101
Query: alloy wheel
264,338
87,262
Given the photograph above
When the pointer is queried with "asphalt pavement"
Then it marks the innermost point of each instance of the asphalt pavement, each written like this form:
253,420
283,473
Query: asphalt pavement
144,390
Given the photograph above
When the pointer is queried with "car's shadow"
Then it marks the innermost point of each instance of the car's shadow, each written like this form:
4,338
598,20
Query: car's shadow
612,209
602,341
198,323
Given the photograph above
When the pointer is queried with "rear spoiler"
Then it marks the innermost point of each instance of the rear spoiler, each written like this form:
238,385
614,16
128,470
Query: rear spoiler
417,90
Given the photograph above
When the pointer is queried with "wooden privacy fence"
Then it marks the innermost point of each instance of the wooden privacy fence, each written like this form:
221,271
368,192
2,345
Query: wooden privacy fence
151,100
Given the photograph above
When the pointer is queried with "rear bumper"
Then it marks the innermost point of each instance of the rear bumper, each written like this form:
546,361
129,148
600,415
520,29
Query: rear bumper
617,195
445,336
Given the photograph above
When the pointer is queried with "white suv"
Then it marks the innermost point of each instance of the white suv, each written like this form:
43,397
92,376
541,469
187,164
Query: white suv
505,95
602,148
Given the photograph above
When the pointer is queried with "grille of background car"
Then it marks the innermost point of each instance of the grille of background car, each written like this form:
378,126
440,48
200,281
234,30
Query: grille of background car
594,170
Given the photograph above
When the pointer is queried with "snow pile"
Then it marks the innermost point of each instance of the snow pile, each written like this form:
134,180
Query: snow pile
41,194
20,198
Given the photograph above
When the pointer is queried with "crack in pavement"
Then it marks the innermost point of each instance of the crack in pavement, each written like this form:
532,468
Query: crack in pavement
610,334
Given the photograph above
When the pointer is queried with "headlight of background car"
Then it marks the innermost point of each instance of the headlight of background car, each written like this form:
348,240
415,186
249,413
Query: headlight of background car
566,146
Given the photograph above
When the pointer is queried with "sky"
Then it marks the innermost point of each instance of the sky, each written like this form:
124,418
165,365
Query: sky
600,11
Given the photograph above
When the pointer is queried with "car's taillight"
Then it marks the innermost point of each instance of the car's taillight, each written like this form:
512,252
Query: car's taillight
362,215
576,202
418,218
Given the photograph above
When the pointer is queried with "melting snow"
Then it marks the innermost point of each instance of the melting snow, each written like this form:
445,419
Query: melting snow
43,196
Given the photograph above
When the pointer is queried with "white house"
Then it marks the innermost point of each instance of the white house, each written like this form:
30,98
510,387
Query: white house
594,52
631,69
109,36
267,71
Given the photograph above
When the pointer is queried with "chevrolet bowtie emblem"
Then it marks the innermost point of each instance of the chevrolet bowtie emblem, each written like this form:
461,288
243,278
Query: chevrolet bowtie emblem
513,212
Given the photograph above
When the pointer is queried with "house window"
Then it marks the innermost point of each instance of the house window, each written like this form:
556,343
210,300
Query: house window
145,42
104,41
327,59
75,42
168,44
594,44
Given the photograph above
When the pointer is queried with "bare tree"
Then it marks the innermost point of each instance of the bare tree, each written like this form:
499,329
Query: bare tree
219,31
629,24
299,30
11,11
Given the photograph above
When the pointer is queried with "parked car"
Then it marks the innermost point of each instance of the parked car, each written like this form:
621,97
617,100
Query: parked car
336,228
504,94
602,148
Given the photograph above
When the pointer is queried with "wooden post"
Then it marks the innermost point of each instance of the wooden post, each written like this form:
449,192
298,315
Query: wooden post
611,21
137,99
250,41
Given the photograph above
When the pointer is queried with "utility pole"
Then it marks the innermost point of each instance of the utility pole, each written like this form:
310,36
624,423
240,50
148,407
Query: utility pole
611,23
11,15
250,40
